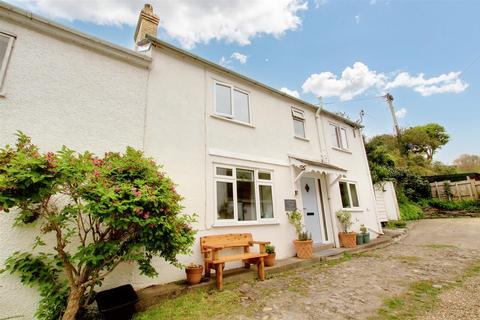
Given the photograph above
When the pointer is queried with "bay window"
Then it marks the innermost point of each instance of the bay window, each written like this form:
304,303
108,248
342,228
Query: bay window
243,195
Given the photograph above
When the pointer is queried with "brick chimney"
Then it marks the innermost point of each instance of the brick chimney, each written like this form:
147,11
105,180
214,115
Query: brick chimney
147,24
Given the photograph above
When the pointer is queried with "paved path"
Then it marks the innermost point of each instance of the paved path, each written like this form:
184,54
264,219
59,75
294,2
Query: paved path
437,250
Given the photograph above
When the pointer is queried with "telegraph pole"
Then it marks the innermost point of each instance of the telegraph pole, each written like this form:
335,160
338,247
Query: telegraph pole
389,99
401,147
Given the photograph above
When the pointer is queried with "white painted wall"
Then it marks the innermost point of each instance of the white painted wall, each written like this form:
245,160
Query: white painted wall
60,93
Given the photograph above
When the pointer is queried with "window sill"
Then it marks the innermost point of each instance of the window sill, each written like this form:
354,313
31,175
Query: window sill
353,209
246,223
215,116
301,138
342,150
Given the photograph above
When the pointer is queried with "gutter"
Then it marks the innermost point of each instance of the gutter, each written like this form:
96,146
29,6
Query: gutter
37,23
164,45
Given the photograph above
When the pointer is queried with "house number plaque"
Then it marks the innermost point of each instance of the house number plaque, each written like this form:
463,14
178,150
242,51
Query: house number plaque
290,204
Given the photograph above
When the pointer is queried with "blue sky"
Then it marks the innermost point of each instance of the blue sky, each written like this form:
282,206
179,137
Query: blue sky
381,45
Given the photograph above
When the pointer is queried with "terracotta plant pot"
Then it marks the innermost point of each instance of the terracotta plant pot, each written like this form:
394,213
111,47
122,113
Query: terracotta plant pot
194,274
348,240
304,248
269,260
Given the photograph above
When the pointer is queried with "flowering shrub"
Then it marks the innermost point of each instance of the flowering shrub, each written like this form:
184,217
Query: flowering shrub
102,211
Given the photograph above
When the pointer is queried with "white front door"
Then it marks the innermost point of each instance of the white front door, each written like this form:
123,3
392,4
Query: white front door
311,208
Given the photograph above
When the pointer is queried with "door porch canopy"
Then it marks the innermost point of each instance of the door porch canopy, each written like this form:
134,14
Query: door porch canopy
309,166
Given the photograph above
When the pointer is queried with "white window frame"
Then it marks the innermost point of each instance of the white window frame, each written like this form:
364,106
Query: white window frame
6,59
233,179
349,182
338,132
298,114
232,89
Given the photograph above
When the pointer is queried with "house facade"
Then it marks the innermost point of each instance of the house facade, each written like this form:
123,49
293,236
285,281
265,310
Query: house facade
242,153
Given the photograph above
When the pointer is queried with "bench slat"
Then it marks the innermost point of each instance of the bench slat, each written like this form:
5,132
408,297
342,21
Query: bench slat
239,257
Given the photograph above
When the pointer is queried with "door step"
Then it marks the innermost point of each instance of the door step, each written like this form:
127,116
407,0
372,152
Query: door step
321,247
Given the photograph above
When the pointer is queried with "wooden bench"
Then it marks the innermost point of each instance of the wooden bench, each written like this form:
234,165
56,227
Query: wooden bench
211,246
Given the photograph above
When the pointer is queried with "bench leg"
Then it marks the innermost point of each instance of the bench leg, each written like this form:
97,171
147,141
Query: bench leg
219,272
207,270
261,269
246,265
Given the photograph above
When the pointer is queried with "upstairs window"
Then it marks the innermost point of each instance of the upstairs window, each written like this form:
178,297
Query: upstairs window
298,123
348,192
339,136
232,103
6,43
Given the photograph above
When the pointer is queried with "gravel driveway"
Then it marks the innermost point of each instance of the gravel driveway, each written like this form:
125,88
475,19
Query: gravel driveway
435,250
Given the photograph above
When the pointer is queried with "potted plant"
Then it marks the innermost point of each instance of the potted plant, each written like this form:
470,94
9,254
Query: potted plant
365,234
347,239
194,273
359,237
269,260
304,243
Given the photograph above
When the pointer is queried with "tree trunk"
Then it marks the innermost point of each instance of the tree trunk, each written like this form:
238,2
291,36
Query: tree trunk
73,304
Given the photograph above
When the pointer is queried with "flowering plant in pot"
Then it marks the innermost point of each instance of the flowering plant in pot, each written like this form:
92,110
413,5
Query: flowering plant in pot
269,260
365,234
347,239
304,243
194,273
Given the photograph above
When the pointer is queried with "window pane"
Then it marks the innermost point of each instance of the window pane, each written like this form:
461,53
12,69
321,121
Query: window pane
334,135
297,114
344,138
224,172
299,127
246,201
344,194
266,201
245,175
240,103
224,200
222,99
3,47
264,176
353,192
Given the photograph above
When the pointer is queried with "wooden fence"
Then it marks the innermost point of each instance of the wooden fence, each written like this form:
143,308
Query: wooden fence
460,190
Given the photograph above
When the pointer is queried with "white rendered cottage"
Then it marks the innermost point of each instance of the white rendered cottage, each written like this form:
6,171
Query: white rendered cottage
241,152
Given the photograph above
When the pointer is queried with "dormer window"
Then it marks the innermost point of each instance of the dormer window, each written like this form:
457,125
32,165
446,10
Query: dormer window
232,103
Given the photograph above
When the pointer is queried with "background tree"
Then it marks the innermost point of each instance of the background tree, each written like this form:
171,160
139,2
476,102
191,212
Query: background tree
468,163
426,139
101,211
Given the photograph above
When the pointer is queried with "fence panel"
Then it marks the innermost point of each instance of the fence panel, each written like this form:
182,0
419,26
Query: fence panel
460,190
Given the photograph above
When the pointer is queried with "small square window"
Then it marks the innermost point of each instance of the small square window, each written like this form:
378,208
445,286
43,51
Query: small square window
232,103
349,195
339,136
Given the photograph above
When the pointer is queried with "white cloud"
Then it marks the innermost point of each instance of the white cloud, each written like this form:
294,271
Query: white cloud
240,57
319,3
359,79
354,80
401,113
190,22
443,83
357,19
373,2
224,62
293,93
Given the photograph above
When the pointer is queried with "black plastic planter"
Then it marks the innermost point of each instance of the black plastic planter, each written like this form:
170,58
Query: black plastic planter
117,303
359,239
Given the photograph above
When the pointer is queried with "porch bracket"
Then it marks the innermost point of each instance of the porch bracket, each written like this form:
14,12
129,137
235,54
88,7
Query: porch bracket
336,179
300,174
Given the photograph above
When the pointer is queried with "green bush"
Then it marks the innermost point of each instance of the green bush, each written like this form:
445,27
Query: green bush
461,205
409,210
396,224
